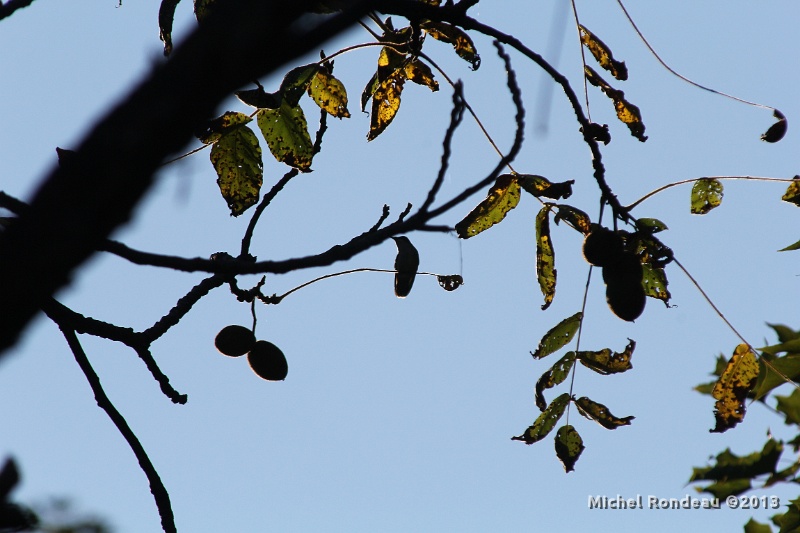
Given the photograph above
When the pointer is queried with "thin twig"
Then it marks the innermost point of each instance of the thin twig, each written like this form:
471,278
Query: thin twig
265,201
455,119
382,219
157,488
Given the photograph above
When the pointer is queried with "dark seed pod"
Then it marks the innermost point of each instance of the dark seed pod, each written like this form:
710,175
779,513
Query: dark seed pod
625,268
602,246
624,291
268,361
234,341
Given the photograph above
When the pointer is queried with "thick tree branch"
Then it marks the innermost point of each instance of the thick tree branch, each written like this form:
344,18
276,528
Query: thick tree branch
7,9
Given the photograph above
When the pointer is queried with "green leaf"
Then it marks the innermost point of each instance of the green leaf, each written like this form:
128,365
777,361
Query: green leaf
756,527
166,14
706,195
732,388
729,487
286,131
650,225
421,74
730,467
236,157
569,446
296,82
784,333
600,414
502,198
558,336
574,217
770,370
216,128
790,407
447,33
792,194
789,522
790,346
603,362
795,246
721,364
627,113
603,54
554,376
369,91
540,186
545,257
654,281
546,421
329,94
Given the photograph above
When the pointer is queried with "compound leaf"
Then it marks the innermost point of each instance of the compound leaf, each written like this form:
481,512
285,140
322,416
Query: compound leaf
605,362
558,336
569,446
603,54
555,375
545,422
545,257
600,413
502,198
706,195
732,388
286,131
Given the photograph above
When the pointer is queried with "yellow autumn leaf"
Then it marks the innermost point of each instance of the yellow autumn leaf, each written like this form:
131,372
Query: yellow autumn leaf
732,388
545,257
329,94
502,198
602,54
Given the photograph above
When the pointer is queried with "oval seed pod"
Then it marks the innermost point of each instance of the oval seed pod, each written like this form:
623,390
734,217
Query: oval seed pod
602,246
234,341
624,291
268,361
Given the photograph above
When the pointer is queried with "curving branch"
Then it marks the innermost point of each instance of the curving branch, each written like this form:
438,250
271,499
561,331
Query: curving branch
7,9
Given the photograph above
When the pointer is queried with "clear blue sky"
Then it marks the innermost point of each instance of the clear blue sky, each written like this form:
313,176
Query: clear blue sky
397,414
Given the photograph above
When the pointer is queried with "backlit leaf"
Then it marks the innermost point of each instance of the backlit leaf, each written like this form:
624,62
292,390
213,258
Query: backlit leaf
790,520
329,94
236,157
732,388
756,527
650,225
545,257
795,246
555,375
540,186
628,113
502,198
546,421
654,281
603,54
259,98
784,333
569,446
600,413
605,362
790,406
369,90
166,14
706,195
729,466
719,368
421,74
220,125
792,194
772,369
296,82
442,31
574,217
385,103
776,132
558,336
286,131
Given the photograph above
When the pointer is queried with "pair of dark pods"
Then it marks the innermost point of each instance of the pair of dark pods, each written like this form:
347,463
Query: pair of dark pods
622,271
266,359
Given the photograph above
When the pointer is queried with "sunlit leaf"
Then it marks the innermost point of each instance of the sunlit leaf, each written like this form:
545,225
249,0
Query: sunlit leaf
706,195
442,31
166,14
628,113
286,131
730,467
650,225
502,198
217,127
236,157
385,103
450,283
574,217
369,91
654,281
569,446
546,421
603,54
329,94
540,186
600,413
732,388
558,336
421,74
555,375
792,194
607,362
772,369
296,82
776,132
545,257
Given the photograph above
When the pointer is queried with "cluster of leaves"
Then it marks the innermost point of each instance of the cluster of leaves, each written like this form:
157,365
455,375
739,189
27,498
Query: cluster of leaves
742,379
